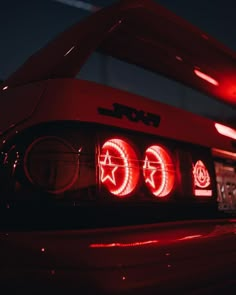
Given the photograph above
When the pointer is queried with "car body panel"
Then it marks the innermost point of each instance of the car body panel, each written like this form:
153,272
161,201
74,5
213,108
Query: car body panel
179,256
18,104
84,101
140,32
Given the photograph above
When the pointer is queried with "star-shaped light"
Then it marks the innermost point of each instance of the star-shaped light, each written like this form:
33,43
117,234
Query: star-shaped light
108,169
151,170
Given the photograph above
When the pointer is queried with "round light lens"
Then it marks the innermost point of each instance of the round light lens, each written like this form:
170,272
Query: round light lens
119,169
158,171
51,164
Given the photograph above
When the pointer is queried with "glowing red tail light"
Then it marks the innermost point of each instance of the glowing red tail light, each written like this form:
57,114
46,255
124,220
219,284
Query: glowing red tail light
119,170
158,171
136,167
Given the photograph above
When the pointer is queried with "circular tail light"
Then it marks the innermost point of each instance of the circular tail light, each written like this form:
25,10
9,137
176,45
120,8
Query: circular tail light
119,169
158,171
51,164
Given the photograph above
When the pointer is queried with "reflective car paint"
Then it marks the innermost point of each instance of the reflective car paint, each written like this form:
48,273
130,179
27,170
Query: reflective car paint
70,100
191,257
143,33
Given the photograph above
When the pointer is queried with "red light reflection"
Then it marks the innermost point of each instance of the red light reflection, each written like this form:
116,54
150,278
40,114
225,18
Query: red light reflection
190,237
133,244
206,77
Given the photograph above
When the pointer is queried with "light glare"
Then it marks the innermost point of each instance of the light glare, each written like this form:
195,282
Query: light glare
206,77
225,130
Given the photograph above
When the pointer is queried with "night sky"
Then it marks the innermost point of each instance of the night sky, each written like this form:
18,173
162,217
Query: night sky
27,25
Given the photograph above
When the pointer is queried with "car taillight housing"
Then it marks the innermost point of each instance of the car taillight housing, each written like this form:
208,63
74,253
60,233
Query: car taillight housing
51,164
83,162
118,167
158,171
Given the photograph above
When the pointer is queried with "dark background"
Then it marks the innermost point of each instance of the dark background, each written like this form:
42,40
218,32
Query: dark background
27,25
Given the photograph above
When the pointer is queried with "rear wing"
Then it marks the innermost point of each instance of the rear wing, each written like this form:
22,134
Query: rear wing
144,33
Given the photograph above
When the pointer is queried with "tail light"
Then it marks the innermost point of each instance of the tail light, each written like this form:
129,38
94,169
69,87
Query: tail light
51,164
83,163
119,167
158,171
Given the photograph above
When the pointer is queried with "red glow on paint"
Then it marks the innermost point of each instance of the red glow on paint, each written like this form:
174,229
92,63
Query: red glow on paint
225,130
119,170
206,77
190,237
121,245
158,171
223,153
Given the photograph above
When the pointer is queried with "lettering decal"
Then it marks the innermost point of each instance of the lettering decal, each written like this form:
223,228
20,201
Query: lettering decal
119,111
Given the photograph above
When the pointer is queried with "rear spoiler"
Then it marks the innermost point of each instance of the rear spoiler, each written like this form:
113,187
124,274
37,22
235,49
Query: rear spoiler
144,33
